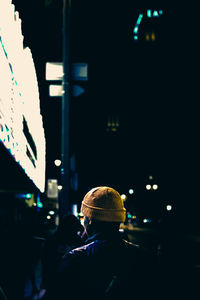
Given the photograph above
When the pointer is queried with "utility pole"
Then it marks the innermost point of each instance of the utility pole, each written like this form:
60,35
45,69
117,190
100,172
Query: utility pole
64,195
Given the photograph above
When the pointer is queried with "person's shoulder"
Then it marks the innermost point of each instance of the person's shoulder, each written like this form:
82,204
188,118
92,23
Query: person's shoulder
75,257
132,247
79,251
138,251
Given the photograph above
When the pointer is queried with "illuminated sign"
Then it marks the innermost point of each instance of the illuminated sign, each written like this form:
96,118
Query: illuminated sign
21,125
148,14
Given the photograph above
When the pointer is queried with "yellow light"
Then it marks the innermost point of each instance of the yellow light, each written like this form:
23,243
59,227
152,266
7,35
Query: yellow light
153,36
147,37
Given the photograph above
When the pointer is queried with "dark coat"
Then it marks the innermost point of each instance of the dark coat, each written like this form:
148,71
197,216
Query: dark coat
55,246
86,272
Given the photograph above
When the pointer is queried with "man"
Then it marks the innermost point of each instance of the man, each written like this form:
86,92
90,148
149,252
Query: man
107,266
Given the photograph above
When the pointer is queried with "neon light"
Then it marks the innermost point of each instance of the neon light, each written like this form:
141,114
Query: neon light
155,13
149,14
139,19
136,28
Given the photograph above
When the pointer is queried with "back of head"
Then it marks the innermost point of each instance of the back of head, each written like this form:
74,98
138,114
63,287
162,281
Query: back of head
103,204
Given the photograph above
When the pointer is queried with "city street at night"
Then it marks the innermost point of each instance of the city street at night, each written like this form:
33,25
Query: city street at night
99,94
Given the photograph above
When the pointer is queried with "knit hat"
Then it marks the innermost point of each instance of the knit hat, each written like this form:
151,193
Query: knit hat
104,204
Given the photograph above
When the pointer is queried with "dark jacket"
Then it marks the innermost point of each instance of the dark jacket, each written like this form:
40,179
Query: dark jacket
55,246
87,272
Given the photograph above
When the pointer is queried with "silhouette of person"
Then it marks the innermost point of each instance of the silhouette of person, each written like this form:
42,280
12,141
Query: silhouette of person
107,266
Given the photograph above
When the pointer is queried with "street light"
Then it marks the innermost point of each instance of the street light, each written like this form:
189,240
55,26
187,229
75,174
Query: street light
169,207
155,186
148,187
57,162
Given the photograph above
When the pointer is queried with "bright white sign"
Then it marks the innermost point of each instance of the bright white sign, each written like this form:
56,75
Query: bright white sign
21,125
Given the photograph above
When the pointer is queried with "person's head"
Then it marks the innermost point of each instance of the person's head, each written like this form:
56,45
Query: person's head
103,210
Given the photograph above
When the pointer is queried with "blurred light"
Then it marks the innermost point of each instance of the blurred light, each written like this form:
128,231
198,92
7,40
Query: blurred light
129,216
52,212
150,177
149,13
124,197
28,196
169,207
146,221
39,204
56,90
52,188
48,217
148,187
57,162
34,204
153,36
139,19
75,210
155,13
155,187
54,71
136,28
60,187
131,191
147,37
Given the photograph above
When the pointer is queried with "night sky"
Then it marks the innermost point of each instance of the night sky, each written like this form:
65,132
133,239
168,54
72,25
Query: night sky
151,87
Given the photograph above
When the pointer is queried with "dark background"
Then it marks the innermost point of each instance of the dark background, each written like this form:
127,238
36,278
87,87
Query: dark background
151,88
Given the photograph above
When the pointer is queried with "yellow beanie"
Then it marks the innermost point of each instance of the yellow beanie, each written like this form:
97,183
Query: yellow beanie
104,204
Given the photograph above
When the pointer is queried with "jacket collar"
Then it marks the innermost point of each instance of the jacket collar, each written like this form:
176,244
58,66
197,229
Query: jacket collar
104,236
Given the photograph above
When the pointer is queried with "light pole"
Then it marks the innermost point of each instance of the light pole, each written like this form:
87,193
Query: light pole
64,201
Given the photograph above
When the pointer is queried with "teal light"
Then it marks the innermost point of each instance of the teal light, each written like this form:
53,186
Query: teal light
131,191
136,28
139,19
155,13
28,196
149,13
39,204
